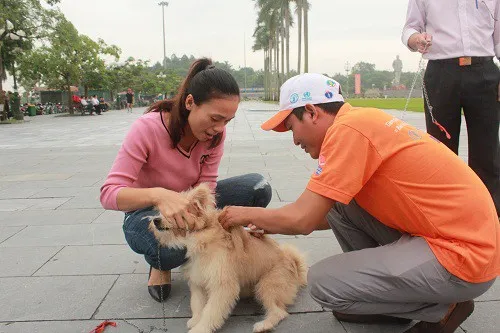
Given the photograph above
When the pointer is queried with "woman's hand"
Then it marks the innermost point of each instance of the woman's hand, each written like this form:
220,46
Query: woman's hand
234,216
174,207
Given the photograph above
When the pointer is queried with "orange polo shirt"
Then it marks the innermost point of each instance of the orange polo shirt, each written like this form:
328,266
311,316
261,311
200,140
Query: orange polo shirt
411,182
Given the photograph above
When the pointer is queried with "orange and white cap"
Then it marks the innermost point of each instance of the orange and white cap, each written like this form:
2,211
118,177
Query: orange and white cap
308,88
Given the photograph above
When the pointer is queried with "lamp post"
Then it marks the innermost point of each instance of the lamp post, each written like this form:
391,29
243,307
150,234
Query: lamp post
347,70
164,4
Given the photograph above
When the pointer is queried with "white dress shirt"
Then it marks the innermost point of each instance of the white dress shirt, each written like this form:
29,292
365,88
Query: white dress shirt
458,27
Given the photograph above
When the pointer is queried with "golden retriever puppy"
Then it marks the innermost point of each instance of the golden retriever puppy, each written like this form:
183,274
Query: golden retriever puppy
224,264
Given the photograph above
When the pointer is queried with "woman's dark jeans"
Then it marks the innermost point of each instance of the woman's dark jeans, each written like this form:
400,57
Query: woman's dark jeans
246,190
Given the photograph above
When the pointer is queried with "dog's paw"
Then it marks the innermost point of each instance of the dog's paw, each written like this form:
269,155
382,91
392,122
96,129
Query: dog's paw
262,326
192,322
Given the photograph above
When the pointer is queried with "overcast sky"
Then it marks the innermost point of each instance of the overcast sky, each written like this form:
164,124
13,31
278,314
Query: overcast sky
339,31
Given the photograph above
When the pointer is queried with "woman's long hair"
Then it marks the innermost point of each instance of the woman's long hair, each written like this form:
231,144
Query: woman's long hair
204,82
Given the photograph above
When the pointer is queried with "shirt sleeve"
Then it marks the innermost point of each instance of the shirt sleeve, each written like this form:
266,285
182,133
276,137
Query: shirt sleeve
496,31
415,21
210,168
347,161
131,157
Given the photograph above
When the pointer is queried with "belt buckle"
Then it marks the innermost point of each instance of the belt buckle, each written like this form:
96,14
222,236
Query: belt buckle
465,61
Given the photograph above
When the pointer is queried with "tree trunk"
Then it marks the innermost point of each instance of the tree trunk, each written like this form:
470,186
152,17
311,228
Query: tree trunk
16,107
70,98
306,42
272,61
299,14
282,32
2,101
86,90
287,37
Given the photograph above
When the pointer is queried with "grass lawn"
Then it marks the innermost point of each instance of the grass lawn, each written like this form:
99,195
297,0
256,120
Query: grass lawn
415,104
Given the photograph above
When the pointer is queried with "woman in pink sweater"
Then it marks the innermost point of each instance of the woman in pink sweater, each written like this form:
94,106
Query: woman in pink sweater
175,145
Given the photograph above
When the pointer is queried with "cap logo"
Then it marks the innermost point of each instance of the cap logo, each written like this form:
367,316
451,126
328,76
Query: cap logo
294,98
330,83
328,94
306,96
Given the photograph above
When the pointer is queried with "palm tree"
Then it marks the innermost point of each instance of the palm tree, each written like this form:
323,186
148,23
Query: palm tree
269,20
261,35
286,23
302,8
305,10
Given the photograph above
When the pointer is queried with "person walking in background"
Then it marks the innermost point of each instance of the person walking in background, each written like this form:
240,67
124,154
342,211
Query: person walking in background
460,39
130,100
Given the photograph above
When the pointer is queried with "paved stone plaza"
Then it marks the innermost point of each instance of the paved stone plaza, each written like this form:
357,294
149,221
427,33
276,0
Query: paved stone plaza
64,263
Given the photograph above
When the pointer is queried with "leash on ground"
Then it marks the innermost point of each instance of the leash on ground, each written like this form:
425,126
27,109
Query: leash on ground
420,73
102,326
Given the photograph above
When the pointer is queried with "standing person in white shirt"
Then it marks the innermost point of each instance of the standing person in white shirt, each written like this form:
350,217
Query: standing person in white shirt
460,39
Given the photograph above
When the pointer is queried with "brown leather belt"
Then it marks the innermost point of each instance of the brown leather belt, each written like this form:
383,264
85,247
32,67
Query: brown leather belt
464,61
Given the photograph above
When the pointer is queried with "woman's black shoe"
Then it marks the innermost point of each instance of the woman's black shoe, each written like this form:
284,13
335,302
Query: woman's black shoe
156,292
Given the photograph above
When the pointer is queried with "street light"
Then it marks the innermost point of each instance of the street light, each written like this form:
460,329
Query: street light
164,4
347,70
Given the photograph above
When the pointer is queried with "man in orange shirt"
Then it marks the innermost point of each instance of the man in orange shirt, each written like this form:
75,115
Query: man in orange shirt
418,227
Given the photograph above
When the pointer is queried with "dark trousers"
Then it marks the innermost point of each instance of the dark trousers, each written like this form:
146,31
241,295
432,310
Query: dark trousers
473,89
246,190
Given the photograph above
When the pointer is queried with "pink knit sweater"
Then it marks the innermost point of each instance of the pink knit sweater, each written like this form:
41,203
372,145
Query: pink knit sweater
146,159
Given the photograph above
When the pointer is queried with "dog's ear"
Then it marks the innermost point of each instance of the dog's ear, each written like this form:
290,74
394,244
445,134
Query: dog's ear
200,198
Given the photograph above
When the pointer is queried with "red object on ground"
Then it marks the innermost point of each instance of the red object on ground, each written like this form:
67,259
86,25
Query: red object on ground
102,326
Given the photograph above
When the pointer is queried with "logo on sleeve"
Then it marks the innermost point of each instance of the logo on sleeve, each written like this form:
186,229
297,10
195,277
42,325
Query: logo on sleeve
322,160
321,164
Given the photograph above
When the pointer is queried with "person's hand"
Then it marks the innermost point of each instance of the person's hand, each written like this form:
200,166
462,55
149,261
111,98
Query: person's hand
255,231
174,207
420,42
234,216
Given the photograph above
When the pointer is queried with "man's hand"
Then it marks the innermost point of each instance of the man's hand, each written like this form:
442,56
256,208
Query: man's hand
420,42
255,231
234,216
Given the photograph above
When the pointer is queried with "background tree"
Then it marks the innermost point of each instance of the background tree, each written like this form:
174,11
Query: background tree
93,66
29,17
61,63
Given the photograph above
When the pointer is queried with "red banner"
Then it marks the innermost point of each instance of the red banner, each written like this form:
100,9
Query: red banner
357,84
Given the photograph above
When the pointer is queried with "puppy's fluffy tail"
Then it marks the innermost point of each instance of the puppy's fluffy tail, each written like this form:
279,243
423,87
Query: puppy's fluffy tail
296,262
